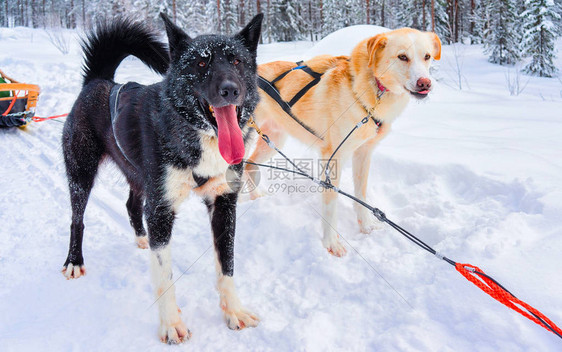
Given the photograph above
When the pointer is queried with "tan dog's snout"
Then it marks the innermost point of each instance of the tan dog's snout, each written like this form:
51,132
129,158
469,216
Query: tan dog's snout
423,84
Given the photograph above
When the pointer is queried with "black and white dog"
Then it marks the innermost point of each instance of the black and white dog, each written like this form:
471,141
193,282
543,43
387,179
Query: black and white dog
170,138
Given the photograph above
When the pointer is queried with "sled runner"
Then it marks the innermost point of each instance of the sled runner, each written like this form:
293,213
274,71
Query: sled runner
17,102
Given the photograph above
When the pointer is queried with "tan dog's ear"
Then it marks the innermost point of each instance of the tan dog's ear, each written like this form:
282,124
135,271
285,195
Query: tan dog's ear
375,43
436,45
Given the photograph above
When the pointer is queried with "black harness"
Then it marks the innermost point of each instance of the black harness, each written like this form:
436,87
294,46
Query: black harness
119,97
271,90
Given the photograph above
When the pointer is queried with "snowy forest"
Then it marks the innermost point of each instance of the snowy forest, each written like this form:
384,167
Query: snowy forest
509,29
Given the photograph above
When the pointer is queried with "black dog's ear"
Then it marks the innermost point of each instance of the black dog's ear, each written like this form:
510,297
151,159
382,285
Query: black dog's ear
250,35
175,34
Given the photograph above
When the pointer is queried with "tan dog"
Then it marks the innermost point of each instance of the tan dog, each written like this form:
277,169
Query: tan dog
397,61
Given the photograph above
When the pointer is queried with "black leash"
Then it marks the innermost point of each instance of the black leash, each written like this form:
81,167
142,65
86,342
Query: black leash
363,121
379,214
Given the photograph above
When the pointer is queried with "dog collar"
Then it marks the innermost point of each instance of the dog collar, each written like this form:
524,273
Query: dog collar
381,88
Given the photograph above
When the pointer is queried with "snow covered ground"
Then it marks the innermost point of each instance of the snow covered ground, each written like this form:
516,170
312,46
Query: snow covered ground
476,173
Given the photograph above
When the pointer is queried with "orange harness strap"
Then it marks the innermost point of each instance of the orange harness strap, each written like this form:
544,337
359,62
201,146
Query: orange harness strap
475,275
11,104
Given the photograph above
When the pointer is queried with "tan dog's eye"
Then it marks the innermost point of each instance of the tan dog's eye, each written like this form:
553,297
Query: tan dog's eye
403,57
202,64
427,57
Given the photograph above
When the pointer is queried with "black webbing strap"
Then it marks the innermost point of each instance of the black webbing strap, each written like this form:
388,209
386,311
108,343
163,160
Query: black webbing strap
121,96
113,100
303,91
270,89
309,71
281,76
298,67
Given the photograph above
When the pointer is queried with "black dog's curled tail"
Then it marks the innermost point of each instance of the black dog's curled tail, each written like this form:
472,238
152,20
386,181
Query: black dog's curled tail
107,45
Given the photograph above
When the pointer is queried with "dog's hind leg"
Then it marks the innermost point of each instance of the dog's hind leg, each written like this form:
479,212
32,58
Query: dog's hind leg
134,208
82,154
222,212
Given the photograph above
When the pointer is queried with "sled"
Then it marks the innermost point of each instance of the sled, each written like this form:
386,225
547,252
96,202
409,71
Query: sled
17,102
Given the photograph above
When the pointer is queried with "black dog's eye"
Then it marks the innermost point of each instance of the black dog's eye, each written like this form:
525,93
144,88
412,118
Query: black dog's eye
202,64
236,62
403,57
427,57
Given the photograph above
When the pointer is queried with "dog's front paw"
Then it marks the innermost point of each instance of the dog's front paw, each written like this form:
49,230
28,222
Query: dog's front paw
258,192
174,333
73,271
142,242
240,319
334,246
250,196
368,223
236,317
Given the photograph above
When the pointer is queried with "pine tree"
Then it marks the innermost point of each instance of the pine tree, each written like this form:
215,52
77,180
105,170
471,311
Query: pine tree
481,21
3,13
354,12
314,19
502,36
558,10
210,18
286,23
411,14
539,37
406,14
332,20
442,26
229,16
192,16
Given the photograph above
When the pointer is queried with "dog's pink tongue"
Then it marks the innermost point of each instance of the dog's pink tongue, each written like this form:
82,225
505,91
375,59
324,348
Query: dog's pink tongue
231,143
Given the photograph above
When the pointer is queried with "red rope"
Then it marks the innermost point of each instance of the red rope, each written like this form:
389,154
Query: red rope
485,283
39,119
11,104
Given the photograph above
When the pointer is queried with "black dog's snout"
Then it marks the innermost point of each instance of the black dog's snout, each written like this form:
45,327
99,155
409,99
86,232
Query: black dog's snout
225,89
229,90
